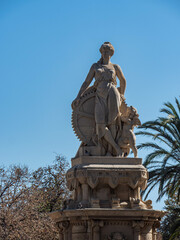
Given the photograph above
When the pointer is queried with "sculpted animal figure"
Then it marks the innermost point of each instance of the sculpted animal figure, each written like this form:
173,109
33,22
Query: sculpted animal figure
127,139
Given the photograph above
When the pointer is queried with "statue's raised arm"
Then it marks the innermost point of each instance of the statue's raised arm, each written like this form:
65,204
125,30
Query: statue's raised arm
84,86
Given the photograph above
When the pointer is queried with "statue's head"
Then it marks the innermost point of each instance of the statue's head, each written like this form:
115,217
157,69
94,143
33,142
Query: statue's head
107,47
132,111
134,116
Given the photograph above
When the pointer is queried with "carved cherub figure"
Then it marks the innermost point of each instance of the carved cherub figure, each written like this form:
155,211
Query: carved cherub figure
128,140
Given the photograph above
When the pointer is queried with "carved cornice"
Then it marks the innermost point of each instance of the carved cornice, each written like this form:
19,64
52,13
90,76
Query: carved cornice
122,223
138,224
78,223
113,177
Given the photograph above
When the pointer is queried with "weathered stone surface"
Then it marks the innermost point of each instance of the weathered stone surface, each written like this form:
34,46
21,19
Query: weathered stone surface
102,224
106,160
106,202
105,181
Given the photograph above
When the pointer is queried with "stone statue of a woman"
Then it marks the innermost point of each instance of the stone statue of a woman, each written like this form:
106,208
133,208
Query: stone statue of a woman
108,98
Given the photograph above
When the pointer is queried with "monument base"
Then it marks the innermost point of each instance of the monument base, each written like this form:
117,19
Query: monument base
106,203
107,224
107,182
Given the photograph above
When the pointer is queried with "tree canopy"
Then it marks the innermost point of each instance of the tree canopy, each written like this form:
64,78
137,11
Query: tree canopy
26,198
163,161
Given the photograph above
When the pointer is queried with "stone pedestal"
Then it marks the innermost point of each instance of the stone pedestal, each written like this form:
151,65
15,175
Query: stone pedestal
107,203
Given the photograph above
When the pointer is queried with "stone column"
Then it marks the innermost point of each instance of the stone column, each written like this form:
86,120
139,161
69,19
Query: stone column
96,229
137,225
147,236
154,233
60,231
79,194
96,233
85,192
61,235
63,230
89,227
147,231
137,233
79,230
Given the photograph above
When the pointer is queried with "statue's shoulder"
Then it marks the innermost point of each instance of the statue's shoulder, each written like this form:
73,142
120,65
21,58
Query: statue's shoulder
116,66
94,66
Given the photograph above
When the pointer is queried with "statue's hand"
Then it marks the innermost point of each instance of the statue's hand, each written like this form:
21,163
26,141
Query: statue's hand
122,97
75,103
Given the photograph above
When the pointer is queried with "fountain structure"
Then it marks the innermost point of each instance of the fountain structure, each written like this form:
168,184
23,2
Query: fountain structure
106,183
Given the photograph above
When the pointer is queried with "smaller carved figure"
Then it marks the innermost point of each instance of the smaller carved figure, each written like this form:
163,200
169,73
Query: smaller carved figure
128,140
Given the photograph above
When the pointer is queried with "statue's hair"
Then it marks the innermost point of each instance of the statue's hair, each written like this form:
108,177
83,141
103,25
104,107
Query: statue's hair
102,48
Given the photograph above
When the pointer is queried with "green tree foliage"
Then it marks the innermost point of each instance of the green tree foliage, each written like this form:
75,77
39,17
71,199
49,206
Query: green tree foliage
170,225
163,161
27,197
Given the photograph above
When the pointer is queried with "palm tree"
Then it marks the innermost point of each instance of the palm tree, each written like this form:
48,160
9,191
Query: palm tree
163,161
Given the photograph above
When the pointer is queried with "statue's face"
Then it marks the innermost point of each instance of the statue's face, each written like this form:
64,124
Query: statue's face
106,52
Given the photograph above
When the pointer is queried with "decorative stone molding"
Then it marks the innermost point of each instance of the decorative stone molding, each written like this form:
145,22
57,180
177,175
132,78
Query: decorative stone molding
122,180
78,223
97,223
93,176
93,179
63,225
62,228
138,224
115,223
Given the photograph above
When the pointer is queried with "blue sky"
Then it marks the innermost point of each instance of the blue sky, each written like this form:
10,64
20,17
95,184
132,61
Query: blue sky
47,48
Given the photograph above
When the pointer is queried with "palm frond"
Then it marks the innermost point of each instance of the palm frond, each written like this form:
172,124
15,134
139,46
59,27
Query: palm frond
171,109
178,104
163,161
